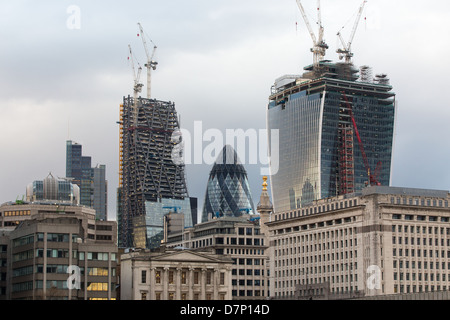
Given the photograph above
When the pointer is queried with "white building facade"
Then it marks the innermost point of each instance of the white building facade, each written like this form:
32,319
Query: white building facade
383,241
175,275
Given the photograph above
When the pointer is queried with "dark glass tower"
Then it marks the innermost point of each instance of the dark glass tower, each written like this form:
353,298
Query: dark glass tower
335,133
152,184
91,180
228,192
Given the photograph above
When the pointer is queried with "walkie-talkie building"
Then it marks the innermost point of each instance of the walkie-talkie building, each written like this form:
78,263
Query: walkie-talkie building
336,133
151,184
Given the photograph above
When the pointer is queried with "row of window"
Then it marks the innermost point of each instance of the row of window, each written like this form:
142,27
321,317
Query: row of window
183,277
417,229
63,253
240,241
412,252
248,282
418,276
331,245
16,213
59,269
411,217
316,209
417,288
416,241
248,272
57,284
317,258
183,296
312,226
420,202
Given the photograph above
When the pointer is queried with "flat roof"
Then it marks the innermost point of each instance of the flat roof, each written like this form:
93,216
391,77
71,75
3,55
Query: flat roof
405,191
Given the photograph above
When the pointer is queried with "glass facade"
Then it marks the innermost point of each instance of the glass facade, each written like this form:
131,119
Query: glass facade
148,230
228,192
319,151
153,184
91,181
52,189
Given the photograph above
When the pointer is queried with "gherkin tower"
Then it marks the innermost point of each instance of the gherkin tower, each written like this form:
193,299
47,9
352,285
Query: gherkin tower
228,192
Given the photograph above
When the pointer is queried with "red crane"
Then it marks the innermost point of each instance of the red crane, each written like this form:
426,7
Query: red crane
373,177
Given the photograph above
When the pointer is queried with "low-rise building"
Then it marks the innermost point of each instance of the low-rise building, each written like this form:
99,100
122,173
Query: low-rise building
239,238
164,274
59,252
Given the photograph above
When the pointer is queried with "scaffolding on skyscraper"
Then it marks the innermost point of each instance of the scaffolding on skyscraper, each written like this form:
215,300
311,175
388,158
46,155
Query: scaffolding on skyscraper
147,169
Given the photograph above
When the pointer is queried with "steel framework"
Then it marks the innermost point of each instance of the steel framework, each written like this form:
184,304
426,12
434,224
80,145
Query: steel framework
147,170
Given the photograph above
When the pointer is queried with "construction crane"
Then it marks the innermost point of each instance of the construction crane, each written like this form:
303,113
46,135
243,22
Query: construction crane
319,46
151,64
137,87
373,176
346,51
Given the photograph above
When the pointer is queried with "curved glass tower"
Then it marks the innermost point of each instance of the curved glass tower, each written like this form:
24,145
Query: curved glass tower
228,192
335,134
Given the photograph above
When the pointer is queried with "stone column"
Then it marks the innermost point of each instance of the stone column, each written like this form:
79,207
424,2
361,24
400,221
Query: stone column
191,284
203,284
216,283
178,284
151,284
165,281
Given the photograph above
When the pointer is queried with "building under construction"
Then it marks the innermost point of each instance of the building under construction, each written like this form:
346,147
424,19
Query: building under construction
150,184
336,127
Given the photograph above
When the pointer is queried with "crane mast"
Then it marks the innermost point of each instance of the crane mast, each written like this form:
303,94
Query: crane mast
151,64
346,51
319,46
372,176
137,87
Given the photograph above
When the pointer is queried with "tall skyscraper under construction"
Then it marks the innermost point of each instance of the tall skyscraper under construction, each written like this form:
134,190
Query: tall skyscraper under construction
151,184
336,129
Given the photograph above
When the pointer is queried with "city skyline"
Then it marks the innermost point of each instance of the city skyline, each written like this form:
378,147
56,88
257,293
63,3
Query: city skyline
52,74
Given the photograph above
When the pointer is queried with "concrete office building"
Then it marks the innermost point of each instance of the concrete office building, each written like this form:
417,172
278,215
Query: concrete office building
239,238
4,247
164,274
46,240
382,241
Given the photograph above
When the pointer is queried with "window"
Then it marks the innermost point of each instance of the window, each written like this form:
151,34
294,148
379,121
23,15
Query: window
196,274
143,277
158,276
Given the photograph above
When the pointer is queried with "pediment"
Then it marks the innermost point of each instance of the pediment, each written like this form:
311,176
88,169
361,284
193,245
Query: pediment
187,256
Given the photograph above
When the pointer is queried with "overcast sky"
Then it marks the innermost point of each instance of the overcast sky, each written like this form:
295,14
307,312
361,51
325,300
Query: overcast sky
217,61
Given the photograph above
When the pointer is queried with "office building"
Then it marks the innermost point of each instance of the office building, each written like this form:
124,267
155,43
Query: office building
91,180
151,183
239,238
336,133
53,190
382,241
49,239
228,191
4,247
165,274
